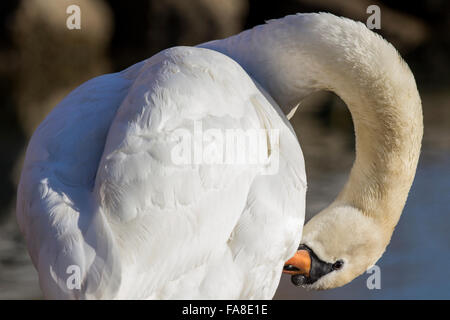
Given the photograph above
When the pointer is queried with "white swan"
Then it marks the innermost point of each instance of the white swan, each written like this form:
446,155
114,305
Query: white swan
100,195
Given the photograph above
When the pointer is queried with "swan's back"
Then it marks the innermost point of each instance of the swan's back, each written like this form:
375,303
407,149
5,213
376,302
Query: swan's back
99,189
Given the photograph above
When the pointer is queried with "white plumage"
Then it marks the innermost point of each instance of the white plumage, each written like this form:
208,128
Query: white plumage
100,191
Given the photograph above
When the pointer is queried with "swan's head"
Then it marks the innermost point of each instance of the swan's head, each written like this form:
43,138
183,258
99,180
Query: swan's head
338,245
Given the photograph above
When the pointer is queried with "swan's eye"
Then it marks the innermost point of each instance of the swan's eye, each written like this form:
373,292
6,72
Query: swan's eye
338,264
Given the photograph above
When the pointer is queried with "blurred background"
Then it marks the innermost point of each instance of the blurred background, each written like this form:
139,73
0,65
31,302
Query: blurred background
41,61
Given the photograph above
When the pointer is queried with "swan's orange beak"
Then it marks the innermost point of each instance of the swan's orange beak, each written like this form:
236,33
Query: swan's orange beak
300,263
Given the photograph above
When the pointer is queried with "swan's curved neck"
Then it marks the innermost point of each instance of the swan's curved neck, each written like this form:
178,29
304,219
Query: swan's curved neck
300,54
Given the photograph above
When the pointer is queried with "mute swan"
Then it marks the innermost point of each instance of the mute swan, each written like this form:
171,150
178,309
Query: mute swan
99,193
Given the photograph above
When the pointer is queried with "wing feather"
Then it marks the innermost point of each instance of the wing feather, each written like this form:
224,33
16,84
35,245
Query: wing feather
54,209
